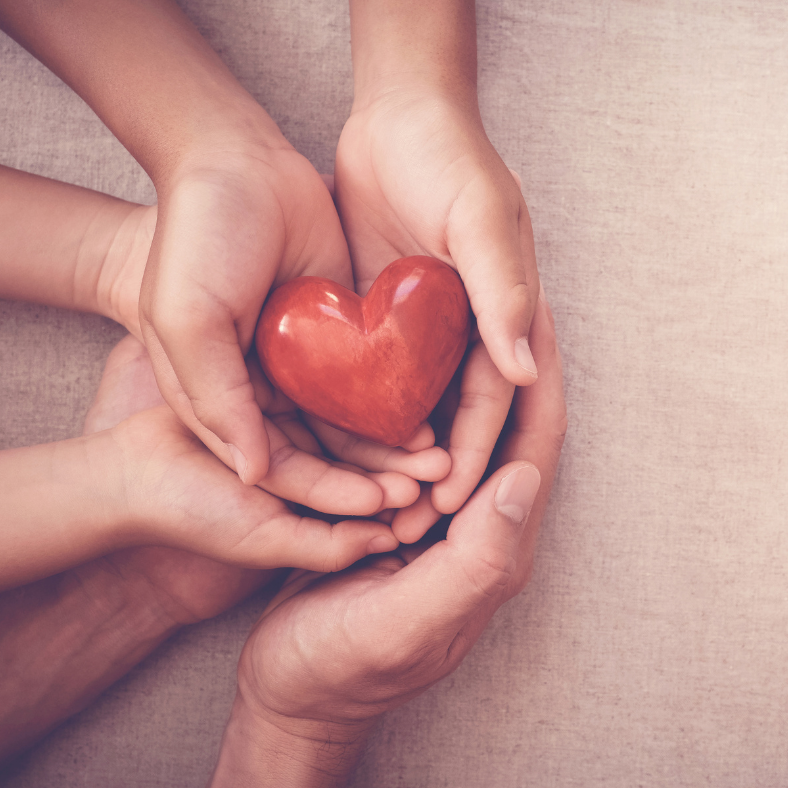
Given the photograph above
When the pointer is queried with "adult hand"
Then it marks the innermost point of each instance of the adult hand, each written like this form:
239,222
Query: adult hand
416,174
332,653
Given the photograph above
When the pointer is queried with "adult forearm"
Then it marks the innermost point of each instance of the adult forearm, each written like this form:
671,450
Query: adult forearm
145,70
64,640
409,43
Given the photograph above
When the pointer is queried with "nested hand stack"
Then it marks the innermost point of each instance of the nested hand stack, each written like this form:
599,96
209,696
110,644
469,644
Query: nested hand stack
188,449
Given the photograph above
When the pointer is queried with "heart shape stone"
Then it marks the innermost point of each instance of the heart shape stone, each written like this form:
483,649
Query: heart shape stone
373,366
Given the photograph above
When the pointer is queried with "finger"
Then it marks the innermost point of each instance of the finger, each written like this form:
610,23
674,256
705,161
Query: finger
490,240
398,490
201,372
423,438
469,573
429,464
304,478
312,544
285,539
412,522
485,397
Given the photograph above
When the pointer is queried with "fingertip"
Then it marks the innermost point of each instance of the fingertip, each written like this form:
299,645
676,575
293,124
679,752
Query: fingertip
516,492
363,498
351,540
433,464
251,466
423,438
412,522
383,543
398,490
445,498
504,330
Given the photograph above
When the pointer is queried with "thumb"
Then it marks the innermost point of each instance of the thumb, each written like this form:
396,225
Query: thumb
472,569
490,240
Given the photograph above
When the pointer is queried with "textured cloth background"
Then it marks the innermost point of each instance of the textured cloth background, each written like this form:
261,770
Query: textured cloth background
651,646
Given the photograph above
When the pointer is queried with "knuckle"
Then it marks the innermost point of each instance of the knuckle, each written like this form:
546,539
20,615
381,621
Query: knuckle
280,456
491,571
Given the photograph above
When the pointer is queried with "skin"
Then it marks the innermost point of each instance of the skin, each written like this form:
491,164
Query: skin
75,248
240,211
417,174
66,638
332,653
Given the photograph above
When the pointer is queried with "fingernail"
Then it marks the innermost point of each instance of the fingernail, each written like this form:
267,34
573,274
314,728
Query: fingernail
516,493
522,353
542,296
382,544
238,460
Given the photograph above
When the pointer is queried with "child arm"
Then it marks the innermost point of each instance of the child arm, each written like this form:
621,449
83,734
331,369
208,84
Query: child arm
70,247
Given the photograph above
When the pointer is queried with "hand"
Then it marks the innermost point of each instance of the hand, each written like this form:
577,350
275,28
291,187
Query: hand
332,653
149,481
186,587
67,637
164,459
416,174
239,209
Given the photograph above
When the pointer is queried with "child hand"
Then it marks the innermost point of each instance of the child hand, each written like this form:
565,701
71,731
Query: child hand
417,175
119,285
149,481
330,654
188,588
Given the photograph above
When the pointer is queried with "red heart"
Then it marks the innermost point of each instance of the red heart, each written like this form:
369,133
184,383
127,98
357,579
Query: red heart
373,366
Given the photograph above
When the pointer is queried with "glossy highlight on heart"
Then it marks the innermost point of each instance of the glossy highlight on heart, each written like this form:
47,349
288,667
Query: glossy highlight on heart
373,366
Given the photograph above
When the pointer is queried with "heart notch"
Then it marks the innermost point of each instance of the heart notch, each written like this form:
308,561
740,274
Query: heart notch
373,366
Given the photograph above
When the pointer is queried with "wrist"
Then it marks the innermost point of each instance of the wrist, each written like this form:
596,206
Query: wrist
124,253
147,73
227,133
265,749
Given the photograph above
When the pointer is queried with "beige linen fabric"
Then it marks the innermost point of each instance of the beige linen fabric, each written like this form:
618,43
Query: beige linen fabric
651,646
